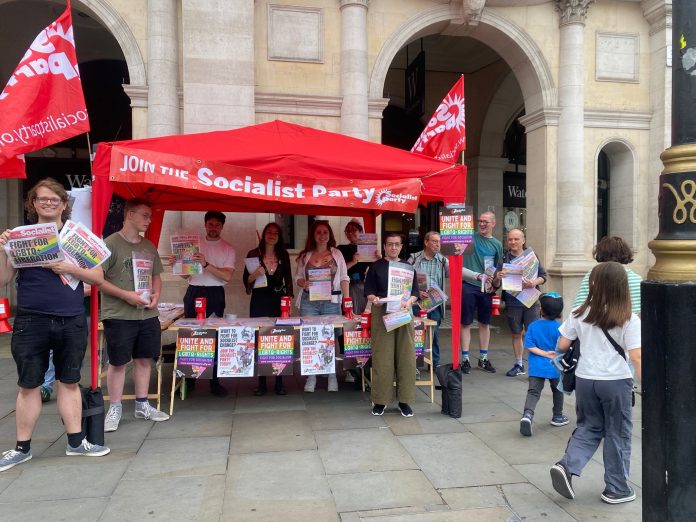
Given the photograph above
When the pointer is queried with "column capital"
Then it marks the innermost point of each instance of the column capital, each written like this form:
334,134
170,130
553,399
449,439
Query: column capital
357,3
572,11
658,13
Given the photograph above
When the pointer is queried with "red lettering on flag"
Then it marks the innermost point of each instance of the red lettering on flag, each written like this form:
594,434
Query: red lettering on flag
444,137
42,102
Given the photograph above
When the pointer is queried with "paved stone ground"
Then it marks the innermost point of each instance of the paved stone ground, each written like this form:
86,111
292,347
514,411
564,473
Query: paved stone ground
319,457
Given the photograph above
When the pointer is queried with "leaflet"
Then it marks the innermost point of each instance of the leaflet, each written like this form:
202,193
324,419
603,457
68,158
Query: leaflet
142,274
396,320
400,284
34,245
367,248
236,351
317,349
184,246
488,274
436,297
320,289
251,264
513,277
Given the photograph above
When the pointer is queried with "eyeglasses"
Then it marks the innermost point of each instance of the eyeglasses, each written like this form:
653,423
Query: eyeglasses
54,202
484,222
436,241
393,245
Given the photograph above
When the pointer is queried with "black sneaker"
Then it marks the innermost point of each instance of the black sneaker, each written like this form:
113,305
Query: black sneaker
559,420
526,424
486,366
466,366
618,498
562,481
405,409
378,409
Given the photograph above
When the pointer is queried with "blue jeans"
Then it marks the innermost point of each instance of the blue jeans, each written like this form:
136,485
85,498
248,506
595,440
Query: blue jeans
436,315
309,308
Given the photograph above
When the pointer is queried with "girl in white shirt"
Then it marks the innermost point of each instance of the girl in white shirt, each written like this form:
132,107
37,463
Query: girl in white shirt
604,383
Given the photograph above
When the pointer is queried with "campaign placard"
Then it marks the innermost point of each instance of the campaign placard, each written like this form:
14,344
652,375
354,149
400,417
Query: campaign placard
317,349
34,245
357,346
456,229
236,351
195,352
276,350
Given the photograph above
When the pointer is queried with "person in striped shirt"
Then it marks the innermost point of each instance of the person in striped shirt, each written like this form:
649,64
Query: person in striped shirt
613,249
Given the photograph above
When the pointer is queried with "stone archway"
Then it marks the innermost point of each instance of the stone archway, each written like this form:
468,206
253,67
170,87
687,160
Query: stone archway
512,42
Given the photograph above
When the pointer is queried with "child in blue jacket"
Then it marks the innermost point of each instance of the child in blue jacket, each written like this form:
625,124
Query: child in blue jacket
540,341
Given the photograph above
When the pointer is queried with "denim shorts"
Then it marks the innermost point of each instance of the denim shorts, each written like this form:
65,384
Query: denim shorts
308,307
126,340
35,335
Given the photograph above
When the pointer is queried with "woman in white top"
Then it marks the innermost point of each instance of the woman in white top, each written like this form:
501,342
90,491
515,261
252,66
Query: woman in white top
604,383
320,253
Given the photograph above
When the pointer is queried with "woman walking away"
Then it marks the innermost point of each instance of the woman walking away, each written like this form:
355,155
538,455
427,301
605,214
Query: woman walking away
607,330
274,263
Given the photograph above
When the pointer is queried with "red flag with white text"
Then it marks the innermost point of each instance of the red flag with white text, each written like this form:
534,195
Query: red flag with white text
42,102
444,137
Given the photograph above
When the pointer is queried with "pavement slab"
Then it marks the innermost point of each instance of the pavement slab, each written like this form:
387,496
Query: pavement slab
287,485
194,424
348,416
362,450
487,412
493,514
67,510
458,460
272,431
184,457
147,499
380,490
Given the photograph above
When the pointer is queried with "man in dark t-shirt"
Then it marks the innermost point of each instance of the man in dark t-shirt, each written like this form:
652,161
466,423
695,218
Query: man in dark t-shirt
50,314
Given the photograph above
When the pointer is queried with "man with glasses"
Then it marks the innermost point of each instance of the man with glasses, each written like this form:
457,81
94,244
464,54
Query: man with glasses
217,257
131,323
436,267
50,314
487,252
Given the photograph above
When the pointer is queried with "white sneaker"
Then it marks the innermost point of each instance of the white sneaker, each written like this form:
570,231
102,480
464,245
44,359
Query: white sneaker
333,383
310,384
113,417
87,449
144,410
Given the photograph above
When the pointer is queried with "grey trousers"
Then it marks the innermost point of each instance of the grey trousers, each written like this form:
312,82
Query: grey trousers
604,412
536,384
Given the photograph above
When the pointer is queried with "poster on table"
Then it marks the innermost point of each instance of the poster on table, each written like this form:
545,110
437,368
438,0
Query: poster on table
456,229
276,350
367,248
236,351
195,352
357,345
317,349
184,246
400,284
34,245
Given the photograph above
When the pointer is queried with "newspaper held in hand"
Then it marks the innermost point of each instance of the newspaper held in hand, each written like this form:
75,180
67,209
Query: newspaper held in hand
34,245
530,263
81,248
436,297
184,246
400,284
143,263
396,320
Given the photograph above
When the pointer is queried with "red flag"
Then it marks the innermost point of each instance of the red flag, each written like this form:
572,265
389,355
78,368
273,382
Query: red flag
445,135
42,102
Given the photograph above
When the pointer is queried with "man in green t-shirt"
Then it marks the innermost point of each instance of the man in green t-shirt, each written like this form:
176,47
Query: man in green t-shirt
129,312
486,251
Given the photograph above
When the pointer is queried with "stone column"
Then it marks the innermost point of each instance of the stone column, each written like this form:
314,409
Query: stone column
162,68
354,73
569,260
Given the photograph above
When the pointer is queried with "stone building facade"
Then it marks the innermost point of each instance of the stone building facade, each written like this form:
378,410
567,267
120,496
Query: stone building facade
588,82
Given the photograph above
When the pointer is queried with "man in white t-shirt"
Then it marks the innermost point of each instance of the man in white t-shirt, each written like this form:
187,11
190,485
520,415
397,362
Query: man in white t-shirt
217,258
